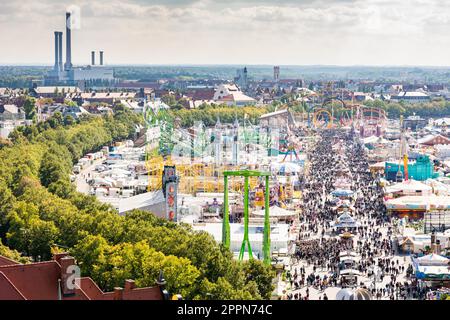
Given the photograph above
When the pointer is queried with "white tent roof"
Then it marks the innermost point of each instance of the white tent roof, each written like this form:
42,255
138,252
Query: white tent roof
275,211
349,272
344,294
438,186
349,258
346,217
286,167
433,259
141,201
374,139
409,185
102,181
116,171
347,253
419,202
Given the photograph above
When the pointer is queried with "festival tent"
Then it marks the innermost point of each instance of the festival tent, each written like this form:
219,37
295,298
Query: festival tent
346,221
344,205
433,272
344,294
342,183
361,294
439,188
276,212
432,259
346,217
348,259
419,203
104,182
349,272
375,140
378,166
116,172
342,193
410,187
409,244
285,168
348,253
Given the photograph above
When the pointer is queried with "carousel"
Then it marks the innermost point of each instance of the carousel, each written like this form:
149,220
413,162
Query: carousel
357,294
345,222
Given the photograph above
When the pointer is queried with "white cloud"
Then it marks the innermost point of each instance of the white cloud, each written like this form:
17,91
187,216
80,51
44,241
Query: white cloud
238,31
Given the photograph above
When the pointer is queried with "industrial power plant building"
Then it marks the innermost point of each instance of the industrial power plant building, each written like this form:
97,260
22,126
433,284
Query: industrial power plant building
67,74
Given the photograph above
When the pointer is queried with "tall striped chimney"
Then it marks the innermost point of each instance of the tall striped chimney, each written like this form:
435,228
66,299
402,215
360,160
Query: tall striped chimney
93,58
101,58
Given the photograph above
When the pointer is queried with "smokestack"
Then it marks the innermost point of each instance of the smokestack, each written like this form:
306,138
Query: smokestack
60,51
56,51
68,65
93,58
101,58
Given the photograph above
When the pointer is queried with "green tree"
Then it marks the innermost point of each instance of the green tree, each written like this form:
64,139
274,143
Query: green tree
69,120
12,254
29,234
29,107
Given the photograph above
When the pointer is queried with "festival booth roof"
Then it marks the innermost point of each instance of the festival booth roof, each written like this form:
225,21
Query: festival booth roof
423,203
287,167
276,212
342,193
344,294
348,253
346,217
409,186
409,240
375,140
346,235
378,165
433,272
362,294
349,294
345,220
104,181
439,188
342,183
349,259
433,260
347,225
116,172
349,272
343,204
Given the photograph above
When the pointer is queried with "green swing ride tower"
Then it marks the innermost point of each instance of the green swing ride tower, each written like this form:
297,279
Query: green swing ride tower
226,219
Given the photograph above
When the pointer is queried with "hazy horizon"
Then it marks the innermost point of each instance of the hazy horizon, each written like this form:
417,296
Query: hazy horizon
50,65
376,33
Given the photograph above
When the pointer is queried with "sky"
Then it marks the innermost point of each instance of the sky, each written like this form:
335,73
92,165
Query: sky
269,32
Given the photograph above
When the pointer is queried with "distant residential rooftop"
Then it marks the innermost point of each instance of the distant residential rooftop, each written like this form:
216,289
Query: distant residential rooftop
411,94
53,89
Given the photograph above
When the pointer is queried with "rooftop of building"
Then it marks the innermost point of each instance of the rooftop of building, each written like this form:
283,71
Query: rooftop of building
53,89
43,281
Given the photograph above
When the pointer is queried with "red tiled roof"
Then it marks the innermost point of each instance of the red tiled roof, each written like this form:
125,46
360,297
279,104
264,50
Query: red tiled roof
8,291
204,94
35,281
40,281
7,262
143,294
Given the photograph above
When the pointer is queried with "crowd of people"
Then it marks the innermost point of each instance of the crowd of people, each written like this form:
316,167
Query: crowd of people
317,259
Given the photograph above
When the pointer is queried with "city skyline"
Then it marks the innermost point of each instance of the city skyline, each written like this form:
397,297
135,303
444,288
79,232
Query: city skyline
269,32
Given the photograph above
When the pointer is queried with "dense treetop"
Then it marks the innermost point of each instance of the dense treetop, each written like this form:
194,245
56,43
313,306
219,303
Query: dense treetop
40,212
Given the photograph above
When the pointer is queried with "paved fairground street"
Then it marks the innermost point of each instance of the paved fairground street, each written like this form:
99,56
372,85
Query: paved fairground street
358,253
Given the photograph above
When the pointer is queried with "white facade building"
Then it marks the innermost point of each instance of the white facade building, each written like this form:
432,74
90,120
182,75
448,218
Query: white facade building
231,94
